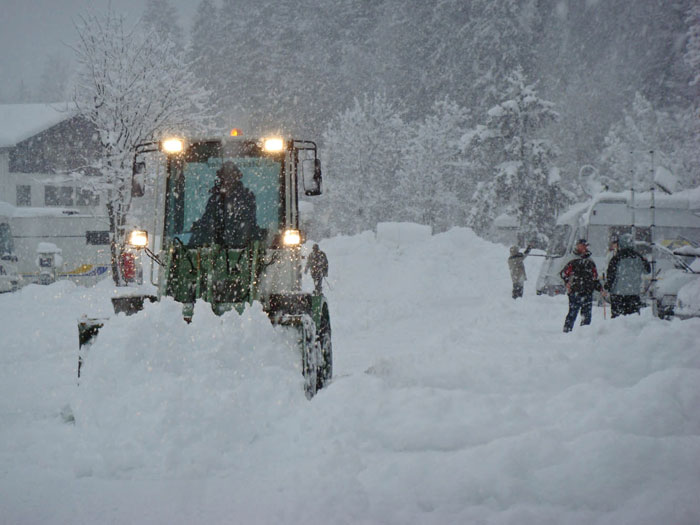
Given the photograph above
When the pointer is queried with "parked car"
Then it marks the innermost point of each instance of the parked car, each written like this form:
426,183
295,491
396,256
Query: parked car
688,300
674,272
9,278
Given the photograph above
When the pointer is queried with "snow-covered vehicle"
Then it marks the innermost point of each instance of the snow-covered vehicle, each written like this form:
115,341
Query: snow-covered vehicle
231,254
653,218
688,300
673,272
9,278
83,240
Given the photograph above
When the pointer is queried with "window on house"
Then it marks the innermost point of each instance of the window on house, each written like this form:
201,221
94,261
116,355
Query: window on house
86,198
24,195
58,195
98,238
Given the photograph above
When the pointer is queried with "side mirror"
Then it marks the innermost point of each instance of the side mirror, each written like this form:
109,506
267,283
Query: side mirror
138,181
311,176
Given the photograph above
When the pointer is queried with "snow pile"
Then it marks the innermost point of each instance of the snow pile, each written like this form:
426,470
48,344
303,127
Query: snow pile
451,403
399,233
688,303
201,392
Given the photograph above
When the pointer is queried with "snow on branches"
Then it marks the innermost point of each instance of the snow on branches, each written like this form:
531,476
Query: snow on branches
133,86
519,177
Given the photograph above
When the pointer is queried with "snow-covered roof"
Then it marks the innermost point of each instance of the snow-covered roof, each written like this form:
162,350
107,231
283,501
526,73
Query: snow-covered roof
21,121
681,200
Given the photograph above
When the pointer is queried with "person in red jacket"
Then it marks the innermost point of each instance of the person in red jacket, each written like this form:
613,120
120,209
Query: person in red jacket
581,278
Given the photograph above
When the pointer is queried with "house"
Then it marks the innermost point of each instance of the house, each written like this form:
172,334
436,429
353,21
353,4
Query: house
45,152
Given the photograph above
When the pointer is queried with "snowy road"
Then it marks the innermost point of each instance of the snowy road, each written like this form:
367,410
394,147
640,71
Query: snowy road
451,404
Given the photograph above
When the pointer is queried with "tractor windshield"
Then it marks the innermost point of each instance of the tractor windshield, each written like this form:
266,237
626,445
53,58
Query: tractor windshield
223,193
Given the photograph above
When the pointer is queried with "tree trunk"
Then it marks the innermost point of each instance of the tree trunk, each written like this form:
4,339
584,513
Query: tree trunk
115,245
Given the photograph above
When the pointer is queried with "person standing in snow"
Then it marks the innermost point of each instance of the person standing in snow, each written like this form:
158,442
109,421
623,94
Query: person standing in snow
612,250
624,278
517,269
581,278
318,264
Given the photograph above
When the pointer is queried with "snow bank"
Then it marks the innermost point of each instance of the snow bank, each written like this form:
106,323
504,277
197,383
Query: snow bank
401,233
451,403
688,300
164,396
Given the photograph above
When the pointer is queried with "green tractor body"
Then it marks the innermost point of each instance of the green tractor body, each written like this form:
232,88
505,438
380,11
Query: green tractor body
229,234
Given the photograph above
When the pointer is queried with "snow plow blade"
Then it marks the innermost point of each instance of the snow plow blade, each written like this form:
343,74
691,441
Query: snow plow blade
88,327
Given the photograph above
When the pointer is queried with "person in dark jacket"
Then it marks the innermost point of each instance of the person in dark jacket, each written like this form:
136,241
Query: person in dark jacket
581,278
229,218
318,264
517,269
624,278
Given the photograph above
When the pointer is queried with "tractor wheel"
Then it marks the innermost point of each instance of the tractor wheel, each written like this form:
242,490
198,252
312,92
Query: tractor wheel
325,370
310,357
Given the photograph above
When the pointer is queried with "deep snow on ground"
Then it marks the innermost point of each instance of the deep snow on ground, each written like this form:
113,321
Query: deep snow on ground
451,403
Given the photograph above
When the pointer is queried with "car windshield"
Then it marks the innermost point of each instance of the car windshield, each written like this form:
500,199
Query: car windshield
217,188
664,259
558,242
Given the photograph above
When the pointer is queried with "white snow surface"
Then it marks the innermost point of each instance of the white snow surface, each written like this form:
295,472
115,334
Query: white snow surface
450,403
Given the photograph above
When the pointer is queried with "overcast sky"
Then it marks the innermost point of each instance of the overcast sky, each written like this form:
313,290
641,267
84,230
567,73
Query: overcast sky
32,29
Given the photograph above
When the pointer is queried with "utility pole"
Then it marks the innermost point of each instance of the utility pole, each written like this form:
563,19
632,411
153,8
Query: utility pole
633,173
652,212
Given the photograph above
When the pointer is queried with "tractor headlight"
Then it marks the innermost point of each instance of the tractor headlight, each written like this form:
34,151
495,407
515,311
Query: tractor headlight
172,145
273,144
138,239
291,238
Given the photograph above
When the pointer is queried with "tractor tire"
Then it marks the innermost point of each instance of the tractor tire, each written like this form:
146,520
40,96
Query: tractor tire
325,370
310,356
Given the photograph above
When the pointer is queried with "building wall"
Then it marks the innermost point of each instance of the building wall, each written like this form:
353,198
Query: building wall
52,168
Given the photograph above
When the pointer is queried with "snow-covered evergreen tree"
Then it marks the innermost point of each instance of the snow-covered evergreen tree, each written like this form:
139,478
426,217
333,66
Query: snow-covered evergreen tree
672,136
133,87
362,150
432,181
160,16
692,49
523,181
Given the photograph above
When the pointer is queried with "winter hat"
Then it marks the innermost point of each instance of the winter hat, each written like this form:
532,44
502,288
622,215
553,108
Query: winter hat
626,241
229,169
514,250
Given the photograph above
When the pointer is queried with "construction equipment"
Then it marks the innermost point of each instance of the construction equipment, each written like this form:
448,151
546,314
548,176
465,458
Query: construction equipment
229,234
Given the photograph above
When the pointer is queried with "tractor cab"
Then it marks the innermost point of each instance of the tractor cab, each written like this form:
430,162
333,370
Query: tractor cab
231,219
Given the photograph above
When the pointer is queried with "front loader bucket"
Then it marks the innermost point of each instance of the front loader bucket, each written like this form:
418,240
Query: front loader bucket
131,304
87,331
88,328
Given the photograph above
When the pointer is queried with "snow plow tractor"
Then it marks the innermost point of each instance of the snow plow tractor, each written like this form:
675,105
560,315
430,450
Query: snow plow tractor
228,234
